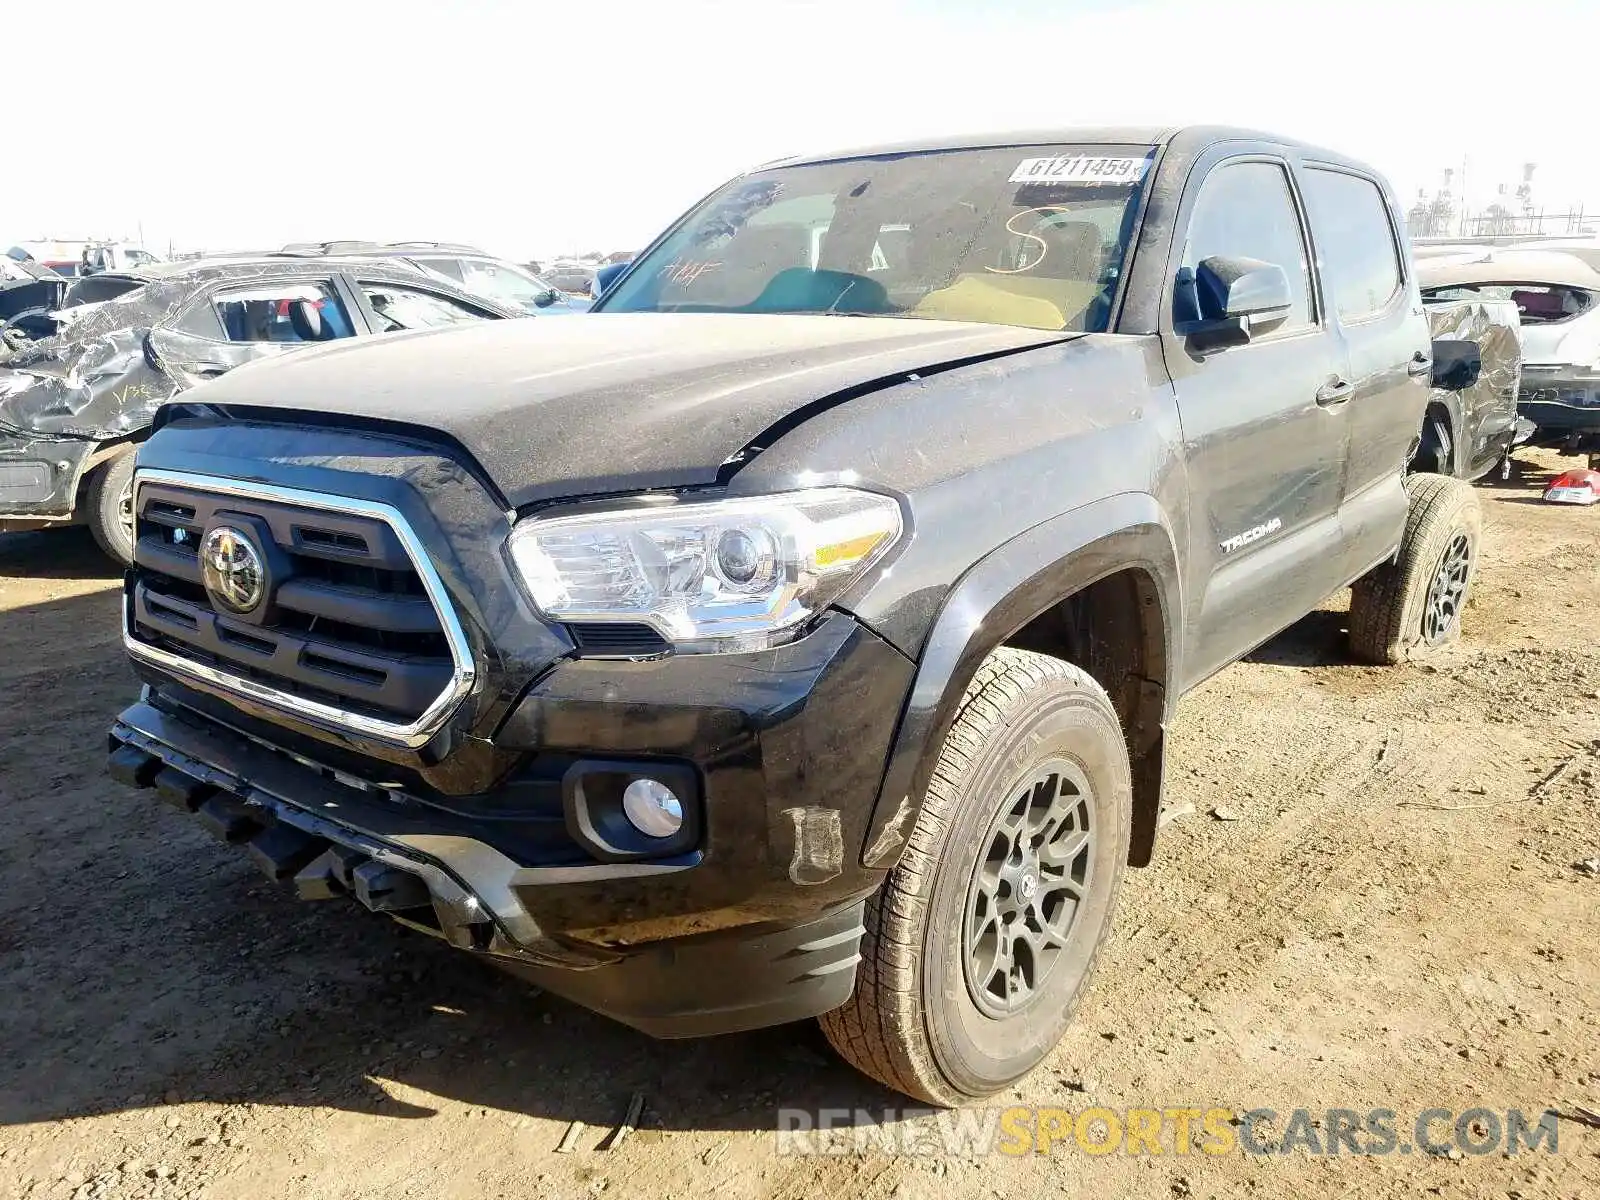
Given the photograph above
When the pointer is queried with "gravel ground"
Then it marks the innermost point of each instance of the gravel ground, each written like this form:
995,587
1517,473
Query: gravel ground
1375,900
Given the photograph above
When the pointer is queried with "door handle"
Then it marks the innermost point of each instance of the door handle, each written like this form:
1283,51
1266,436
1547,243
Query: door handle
1420,364
1336,392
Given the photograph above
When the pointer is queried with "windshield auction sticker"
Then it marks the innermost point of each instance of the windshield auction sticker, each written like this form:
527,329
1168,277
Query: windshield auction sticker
1080,168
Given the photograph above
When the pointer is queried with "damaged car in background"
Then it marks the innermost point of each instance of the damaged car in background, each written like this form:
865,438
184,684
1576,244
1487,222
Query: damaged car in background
1557,297
29,293
467,267
74,403
1471,425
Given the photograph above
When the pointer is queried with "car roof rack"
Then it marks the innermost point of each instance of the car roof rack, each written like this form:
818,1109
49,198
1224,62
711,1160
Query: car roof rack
459,247
358,246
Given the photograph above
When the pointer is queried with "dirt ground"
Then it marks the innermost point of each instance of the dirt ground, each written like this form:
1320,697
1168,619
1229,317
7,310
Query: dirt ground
1394,919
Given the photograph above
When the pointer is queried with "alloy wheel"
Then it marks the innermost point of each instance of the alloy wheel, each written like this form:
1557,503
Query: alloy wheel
1027,888
1448,591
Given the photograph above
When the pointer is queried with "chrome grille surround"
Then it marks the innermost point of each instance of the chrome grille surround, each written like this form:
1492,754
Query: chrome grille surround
411,734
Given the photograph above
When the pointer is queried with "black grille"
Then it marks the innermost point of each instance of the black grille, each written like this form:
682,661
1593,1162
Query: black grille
346,621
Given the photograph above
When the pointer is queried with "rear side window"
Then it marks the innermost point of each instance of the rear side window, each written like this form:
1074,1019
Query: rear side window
398,308
1245,210
265,312
1360,257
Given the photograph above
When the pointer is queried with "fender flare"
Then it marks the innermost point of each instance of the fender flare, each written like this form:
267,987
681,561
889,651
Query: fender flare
996,597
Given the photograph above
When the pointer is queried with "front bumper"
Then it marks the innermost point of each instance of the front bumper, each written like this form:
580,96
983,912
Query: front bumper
757,923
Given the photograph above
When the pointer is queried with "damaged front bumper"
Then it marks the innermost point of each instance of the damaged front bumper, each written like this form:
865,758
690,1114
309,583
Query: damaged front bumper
754,921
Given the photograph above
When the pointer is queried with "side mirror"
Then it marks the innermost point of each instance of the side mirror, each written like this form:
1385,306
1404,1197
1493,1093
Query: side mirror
546,298
1457,364
604,276
1227,301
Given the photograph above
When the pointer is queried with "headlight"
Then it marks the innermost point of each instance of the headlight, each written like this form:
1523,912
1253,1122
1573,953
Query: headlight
723,575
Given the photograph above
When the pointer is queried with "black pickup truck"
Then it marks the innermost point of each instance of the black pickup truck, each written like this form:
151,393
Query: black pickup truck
796,635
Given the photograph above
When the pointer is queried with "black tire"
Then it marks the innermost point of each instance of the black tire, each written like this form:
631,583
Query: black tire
1405,609
917,1020
108,504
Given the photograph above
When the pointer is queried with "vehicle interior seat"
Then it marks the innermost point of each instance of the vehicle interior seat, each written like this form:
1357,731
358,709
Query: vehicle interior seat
737,276
1540,306
800,289
306,319
1055,289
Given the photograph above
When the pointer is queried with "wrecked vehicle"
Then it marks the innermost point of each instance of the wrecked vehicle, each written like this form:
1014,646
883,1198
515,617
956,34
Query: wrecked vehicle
1557,295
464,266
1471,424
100,257
797,638
74,404
29,293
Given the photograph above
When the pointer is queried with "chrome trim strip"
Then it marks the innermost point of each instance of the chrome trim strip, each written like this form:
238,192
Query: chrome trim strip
412,735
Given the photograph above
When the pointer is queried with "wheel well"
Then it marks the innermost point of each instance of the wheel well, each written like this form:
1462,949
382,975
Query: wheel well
1114,630
98,461
1429,449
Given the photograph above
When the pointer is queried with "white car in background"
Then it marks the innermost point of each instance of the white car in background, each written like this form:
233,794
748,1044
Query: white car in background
1556,289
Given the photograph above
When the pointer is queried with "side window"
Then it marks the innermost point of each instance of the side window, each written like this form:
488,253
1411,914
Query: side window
398,307
1360,257
1245,210
272,312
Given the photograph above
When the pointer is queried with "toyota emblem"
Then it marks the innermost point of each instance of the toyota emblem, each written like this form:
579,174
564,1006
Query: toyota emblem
232,569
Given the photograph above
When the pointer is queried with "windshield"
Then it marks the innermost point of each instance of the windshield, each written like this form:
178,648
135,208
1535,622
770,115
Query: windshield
1033,236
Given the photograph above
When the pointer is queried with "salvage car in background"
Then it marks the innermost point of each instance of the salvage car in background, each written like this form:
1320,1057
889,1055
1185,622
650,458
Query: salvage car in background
1471,424
574,278
29,292
73,404
465,267
1557,296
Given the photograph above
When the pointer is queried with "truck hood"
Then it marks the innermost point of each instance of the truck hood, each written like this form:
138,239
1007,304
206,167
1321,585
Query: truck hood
601,403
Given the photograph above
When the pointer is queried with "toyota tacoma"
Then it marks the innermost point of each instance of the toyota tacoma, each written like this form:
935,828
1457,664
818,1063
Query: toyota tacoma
796,634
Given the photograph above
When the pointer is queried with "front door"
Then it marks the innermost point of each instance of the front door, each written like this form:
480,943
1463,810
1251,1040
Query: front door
1265,424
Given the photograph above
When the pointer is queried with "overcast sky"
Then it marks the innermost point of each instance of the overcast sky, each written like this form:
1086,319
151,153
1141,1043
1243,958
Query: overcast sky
533,127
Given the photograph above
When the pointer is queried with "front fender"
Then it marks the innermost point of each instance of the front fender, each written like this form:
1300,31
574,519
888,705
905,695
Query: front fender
999,595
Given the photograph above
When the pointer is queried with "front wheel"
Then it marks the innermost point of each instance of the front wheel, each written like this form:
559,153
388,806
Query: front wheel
1413,605
109,503
979,944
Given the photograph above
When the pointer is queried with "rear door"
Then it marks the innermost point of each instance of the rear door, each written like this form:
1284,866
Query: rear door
1372,299
1264,424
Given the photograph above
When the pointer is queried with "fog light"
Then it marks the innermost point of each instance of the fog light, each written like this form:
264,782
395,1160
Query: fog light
652,808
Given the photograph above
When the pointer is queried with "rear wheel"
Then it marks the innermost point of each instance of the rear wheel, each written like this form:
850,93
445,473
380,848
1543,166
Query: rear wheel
1406,608
108,499
980,942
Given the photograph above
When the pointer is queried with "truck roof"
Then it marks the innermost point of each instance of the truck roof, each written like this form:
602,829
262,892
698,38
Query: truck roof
1189,138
